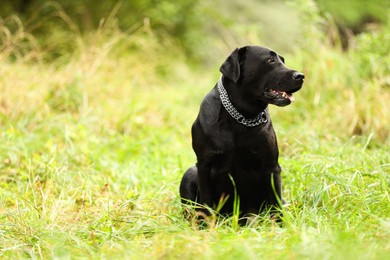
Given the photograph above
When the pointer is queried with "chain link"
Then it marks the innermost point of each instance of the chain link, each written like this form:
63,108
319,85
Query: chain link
259,119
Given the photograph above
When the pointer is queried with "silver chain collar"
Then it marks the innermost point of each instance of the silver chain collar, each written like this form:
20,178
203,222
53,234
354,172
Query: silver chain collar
259,119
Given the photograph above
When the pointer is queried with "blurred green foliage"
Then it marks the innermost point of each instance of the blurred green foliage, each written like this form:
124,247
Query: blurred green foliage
372,54
356,14
175,20
192,25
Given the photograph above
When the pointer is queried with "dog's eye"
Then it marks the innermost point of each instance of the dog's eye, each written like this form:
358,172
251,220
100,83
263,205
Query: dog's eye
271,60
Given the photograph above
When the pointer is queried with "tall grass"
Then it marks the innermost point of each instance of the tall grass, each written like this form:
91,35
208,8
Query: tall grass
94,143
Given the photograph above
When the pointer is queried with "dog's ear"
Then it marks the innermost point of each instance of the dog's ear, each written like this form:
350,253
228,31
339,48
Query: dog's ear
231,68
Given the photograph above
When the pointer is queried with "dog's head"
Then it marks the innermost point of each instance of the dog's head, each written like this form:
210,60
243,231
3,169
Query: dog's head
260,73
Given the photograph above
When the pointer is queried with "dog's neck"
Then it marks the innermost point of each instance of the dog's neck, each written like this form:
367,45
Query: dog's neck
243,110
249,106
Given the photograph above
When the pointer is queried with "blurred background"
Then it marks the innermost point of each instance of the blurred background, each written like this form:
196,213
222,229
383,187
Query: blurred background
196,28
93,55
97,99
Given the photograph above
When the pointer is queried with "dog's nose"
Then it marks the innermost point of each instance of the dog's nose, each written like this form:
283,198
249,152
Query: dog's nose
298,76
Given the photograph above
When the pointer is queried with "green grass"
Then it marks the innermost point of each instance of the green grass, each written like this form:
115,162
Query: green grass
93,148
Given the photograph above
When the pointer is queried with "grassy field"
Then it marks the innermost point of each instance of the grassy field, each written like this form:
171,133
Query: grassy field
94,144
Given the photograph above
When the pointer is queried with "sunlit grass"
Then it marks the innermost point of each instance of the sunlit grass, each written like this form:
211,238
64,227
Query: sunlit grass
93,148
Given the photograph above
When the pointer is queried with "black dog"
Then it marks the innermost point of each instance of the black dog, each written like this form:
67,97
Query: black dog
233,137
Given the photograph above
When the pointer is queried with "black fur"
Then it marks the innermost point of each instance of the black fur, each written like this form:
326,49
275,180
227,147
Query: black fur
233,157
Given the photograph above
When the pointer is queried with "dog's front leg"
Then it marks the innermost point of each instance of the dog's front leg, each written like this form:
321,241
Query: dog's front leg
277,181
205,186
274,188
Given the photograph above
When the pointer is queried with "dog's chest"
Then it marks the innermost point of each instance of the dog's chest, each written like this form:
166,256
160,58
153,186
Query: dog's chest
256,149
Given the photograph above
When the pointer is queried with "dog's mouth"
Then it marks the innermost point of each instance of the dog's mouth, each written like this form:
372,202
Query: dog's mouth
279,97
282,94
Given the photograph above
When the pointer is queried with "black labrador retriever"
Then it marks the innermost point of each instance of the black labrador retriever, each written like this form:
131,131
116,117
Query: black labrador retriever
233,138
